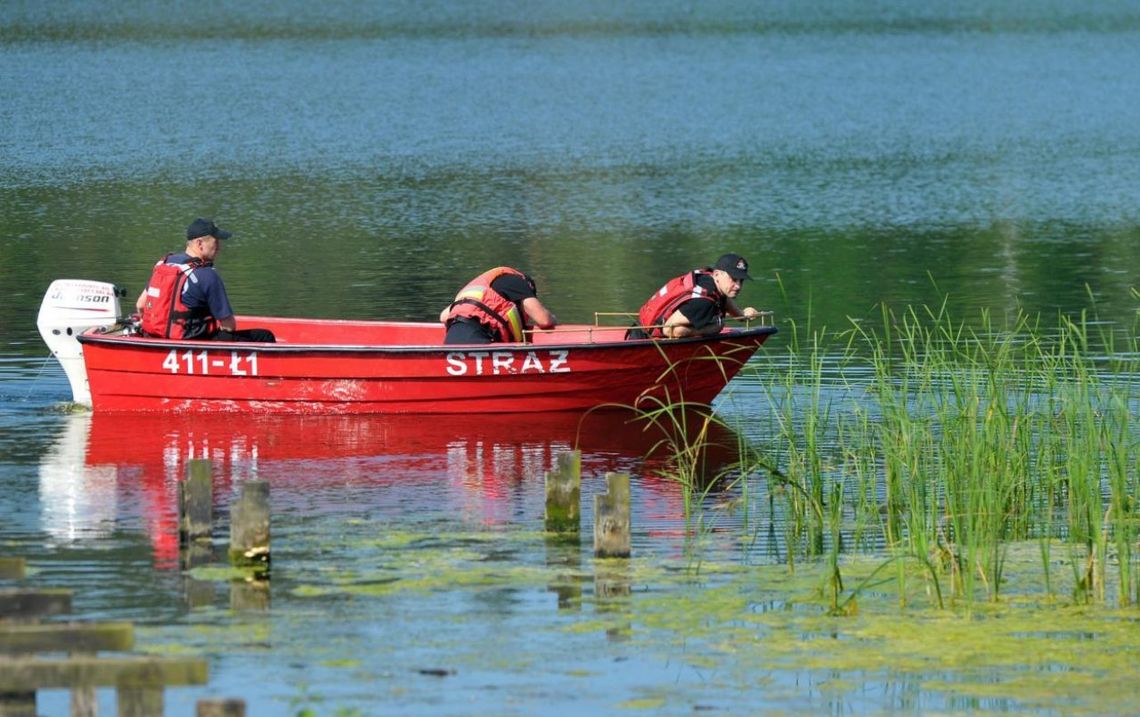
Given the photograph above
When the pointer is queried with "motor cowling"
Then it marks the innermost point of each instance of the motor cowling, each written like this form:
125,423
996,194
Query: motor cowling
70,307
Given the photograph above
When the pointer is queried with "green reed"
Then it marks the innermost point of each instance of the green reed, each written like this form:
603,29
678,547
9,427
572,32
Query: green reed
1123,469
683,437
958,439
804,416
811,507
944,441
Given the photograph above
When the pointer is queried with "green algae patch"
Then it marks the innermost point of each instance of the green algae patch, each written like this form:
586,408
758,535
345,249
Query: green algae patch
68,408
448,572
220,572
346,663
194,638
734,624
644,703
586,627
410,562
1080,656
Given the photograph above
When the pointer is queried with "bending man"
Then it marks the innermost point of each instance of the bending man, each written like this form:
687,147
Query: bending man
496,306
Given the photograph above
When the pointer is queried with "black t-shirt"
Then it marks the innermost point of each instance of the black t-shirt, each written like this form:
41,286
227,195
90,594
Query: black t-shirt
702,312
512,288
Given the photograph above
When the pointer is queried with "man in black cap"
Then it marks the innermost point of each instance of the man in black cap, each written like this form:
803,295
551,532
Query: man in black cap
695,303
186,299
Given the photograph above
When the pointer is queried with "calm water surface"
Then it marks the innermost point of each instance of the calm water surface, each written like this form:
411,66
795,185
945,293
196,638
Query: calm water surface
371,158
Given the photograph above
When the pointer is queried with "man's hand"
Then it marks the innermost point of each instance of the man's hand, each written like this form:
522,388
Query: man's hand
749,313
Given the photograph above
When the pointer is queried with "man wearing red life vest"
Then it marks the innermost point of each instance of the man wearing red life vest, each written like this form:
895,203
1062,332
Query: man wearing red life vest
186,299
496,306
695,303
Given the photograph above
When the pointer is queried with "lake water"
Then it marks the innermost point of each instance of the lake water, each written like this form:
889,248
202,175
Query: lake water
372,157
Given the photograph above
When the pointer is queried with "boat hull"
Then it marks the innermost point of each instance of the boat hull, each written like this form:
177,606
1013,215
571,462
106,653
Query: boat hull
413,373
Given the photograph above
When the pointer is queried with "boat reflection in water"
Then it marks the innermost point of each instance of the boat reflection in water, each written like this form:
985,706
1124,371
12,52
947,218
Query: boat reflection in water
107,471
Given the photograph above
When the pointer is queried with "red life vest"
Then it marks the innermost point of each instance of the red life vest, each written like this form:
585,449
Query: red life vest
164,315
668,298
478,301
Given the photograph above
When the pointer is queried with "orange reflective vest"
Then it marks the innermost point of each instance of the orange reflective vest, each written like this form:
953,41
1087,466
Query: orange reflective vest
478,301
164,315
668,298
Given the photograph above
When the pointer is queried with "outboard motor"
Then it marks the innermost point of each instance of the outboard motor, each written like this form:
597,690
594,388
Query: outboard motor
70,307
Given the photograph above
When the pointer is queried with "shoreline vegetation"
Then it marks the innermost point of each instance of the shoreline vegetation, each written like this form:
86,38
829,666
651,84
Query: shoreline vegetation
935,447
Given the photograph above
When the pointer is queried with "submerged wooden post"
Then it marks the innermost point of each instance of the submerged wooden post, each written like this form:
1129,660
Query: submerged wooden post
83,702
198,593
563,493
25,606
564,560
611,518
249,527
220,708
82,637
34,604
612,581
195,503
18,704
81,640
249,595
12,568
141,701
139,679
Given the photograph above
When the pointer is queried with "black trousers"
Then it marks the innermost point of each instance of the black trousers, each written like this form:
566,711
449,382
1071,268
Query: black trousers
467,331
262,335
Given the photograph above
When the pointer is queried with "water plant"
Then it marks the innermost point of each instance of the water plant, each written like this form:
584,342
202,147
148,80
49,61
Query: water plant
933,441
962,437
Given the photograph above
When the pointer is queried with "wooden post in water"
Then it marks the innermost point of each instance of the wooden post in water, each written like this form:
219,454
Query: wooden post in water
249,527
141,701
34,604
12,568
18,704
83,702
26,606
195,503
139,679
611,518
563,493
250,595
220,708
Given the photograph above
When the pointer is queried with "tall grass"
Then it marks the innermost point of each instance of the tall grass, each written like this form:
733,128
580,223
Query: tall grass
940,443
954,439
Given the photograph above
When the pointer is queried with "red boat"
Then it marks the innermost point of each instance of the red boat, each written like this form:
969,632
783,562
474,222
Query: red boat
330,366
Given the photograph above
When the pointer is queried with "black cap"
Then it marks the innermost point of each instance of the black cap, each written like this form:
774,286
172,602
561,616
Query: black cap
205,227
735,265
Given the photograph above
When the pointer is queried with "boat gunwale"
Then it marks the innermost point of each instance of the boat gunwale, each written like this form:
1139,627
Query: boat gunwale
93,336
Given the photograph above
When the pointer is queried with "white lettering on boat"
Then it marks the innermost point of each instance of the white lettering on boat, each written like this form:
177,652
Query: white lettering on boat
558,361
497,363
531,363
200,363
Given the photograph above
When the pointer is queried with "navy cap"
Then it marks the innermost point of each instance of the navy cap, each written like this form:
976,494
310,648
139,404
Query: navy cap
735,265
205,227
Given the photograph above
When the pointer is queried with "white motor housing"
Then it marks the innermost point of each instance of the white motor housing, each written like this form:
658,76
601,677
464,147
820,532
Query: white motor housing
70,307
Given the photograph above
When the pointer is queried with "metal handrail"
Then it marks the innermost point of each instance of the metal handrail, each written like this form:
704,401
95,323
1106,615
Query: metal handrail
762,318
